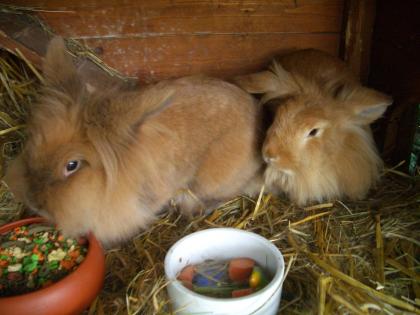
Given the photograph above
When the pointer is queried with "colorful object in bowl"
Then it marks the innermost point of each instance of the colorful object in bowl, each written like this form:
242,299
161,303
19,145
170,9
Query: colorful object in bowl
70,295
35,256
225,279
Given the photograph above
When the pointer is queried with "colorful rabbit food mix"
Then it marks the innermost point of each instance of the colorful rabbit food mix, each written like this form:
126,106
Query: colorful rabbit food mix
35,256
225,279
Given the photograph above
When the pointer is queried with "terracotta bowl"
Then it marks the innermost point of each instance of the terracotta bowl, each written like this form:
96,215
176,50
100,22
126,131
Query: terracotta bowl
70,295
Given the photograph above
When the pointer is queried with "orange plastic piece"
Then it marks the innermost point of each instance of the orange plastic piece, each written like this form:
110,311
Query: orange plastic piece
187,274
242,292
240,269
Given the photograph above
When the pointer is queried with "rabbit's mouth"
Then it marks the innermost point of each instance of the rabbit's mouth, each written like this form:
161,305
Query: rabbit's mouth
31,205
46,215
37,208
299,187
286,171
277,176
278,164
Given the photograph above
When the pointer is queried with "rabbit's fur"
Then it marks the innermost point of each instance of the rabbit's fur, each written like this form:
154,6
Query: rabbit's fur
136,150
319,145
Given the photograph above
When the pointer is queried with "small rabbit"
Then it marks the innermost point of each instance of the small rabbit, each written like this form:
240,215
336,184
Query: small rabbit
108,160
319,145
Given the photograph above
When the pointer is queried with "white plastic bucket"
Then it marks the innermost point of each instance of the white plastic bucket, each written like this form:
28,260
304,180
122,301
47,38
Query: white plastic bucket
224,244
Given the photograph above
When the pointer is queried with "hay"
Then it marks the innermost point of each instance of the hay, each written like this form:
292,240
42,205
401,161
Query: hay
344,258
18,88
359,257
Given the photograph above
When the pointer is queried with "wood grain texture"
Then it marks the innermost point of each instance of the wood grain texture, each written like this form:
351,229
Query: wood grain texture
358,34
158,39
152,59
161,18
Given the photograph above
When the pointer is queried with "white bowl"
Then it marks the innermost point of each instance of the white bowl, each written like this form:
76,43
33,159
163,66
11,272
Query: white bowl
224,244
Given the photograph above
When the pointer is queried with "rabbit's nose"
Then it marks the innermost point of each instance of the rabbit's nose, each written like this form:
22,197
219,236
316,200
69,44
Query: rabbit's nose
268,157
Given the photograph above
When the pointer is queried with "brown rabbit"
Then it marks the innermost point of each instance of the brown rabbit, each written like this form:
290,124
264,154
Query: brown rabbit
319,145
107,161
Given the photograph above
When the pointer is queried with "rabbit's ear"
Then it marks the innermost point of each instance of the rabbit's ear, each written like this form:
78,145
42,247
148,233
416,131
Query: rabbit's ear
113,123
257,83
367,105
58,67
124,113
277,81
285,84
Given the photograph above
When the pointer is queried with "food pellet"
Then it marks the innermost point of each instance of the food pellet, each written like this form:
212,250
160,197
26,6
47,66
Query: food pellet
35,256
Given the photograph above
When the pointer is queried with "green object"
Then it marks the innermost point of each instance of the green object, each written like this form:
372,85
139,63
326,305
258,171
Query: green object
26,260
221,292
34,257
258,279
53,265
30,267
39,241
41,281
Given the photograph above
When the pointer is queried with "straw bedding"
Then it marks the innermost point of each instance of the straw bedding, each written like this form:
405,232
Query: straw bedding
341,257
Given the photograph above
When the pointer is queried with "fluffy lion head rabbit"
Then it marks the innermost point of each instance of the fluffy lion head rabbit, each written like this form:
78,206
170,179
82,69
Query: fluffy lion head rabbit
319,146
108,161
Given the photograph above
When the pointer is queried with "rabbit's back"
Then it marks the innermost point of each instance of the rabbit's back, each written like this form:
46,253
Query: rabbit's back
209,139
318,67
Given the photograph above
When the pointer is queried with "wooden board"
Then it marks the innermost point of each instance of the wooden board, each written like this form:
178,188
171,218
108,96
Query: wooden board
158,39
152,59
164,18
360,18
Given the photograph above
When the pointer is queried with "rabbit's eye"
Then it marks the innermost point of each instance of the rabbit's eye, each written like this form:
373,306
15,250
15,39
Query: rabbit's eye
313,132
71,167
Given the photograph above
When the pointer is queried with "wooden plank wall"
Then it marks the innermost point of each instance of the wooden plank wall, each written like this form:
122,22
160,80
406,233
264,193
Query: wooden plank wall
356,48
158,39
